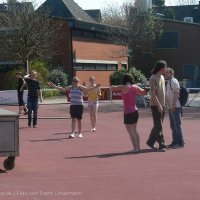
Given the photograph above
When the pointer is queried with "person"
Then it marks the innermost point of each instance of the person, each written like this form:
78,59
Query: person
76,103
157,104
93,102
129,92
20,93
173,89
34,92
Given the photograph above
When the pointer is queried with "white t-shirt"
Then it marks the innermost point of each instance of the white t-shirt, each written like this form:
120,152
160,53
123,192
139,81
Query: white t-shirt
172,88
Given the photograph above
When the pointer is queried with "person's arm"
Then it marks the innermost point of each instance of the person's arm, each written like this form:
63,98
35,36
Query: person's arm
40,95
167,102
141,91
85,89
27,76
50,84
121,88
99,92
176,90
23,85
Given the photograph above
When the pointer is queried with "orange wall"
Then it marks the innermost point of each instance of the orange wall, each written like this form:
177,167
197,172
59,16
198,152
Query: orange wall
97,50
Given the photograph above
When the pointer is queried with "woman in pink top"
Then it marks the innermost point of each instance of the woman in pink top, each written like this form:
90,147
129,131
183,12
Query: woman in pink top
129,93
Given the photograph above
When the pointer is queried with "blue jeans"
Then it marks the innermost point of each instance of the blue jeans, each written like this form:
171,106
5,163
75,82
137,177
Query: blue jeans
175,124
32,104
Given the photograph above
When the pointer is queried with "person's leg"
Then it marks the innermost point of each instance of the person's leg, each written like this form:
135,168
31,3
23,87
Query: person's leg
134,136
35,112
73,122
172,126
152,139
73,125
178,129
93,115
20,101
29,103
79,118
159,117
156,133
79,127
25,108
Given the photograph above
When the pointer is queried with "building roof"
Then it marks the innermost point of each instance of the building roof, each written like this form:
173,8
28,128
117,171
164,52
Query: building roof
67,9
95,14
180,12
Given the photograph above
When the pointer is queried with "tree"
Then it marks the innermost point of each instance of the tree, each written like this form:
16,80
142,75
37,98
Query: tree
158,2
137,33
116,77
27,34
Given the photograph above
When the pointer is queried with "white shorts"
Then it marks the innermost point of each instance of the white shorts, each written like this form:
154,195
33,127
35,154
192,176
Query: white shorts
93,105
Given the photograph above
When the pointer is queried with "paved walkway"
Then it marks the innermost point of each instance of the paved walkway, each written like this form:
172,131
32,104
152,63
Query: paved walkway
98,166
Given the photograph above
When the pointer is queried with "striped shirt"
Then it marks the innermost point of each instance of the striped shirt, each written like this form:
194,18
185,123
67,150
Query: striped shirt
76,96
33,87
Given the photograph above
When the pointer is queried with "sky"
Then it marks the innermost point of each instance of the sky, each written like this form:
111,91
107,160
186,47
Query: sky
98,4
92,4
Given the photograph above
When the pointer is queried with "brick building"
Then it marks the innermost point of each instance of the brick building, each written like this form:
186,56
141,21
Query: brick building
85,49
180,47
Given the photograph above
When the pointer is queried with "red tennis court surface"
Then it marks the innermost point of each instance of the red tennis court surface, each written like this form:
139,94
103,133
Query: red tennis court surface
97,166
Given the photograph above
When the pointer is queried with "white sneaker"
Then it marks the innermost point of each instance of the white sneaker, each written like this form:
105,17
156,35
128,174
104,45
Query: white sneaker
72,135
93,129
80,135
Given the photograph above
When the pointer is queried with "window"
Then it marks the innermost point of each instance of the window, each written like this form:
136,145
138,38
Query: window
95,67
124,66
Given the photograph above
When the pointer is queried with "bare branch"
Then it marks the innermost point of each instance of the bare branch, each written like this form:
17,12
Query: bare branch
27,34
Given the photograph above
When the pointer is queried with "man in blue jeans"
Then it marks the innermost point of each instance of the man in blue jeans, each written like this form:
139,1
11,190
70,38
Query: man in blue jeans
33,93
173,89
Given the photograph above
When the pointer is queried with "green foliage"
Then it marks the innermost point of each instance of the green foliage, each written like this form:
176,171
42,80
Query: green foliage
169,13
58,77
138,76
11,81
48,93
42,70
115,78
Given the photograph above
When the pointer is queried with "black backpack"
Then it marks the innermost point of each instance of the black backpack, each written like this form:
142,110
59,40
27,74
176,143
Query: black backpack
183,95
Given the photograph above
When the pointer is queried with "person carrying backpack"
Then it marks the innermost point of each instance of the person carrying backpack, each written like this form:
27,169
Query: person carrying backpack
173,92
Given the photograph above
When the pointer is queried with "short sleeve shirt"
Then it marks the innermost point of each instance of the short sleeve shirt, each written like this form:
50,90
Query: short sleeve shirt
20,83
157,83
172,88
33,87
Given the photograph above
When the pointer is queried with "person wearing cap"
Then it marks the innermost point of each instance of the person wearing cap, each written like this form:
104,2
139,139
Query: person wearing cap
76,91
